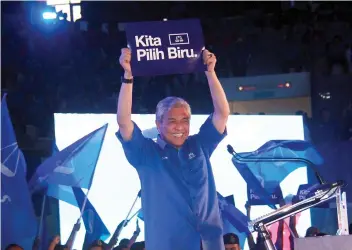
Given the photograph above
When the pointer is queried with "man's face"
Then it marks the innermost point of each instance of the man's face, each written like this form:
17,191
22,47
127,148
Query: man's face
174,128
232,247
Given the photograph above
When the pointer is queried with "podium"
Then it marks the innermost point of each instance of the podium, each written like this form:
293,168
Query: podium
343,242
316,196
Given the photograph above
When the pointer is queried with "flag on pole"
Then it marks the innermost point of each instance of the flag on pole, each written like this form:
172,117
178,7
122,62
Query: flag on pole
73,166
95,227
234,221
256,167
18,221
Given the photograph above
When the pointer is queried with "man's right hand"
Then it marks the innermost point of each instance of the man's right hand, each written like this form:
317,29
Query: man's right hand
125,62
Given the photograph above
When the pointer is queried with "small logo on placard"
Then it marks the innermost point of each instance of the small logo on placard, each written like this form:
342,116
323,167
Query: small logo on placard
178,39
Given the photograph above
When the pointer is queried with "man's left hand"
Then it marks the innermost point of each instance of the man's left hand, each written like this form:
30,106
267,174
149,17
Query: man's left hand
209,59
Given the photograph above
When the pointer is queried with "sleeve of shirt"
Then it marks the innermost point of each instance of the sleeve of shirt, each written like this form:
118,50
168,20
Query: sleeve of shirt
137,149
209,137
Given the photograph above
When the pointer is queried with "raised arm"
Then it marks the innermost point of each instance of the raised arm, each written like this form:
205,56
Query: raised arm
124,103
71,239
135,235
221,106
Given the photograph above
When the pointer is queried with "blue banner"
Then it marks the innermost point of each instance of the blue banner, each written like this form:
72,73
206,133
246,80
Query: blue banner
18,221
165,47
230,213
306,191
274,190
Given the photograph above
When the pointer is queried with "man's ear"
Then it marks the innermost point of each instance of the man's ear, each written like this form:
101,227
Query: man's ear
158,125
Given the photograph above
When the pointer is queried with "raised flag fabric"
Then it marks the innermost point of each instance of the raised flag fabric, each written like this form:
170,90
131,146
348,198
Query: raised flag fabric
255,184
165,47
234,216
234,221
140,214
18,221
73,166
95,227
257,169
273,190
61,192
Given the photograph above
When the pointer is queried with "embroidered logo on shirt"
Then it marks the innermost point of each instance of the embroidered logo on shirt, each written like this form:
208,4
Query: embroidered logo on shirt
191,156
164,158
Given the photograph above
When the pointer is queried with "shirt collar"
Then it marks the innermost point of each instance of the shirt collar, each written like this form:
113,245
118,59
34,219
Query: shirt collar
161,142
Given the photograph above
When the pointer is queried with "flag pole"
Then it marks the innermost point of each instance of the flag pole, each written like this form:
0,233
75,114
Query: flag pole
83,206
118,230
41,217
73,234
133,215
129,212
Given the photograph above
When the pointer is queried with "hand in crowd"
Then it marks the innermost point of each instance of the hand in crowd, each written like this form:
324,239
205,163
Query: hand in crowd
77,226
54,242
138,229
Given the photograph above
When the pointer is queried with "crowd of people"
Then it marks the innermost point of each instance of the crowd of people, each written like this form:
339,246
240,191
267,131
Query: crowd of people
57,67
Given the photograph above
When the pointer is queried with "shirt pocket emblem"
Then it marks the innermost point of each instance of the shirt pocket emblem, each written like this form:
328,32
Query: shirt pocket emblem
191,156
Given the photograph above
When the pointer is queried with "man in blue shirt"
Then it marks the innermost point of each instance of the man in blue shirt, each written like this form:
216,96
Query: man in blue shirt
179,199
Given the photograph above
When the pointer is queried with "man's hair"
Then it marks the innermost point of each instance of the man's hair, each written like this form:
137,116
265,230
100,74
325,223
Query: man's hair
231,238
168,103
312,231
138,246
13,245
124,243
60,247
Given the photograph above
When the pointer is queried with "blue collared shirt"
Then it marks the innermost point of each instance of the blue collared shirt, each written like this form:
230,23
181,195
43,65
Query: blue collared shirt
179,199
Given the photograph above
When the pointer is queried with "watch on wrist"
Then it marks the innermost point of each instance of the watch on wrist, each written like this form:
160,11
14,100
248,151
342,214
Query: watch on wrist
124,80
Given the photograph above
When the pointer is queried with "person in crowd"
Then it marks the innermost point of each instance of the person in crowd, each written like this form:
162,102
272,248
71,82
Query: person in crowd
312,232
232,242
138,246
125,244
321,234
178,189
325,130
14,247
55,244
98,245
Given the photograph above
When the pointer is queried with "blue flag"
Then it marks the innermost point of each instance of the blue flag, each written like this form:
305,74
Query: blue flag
140,214
61,192
95,228
234,221
18,221
230,213
256,168
73,166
